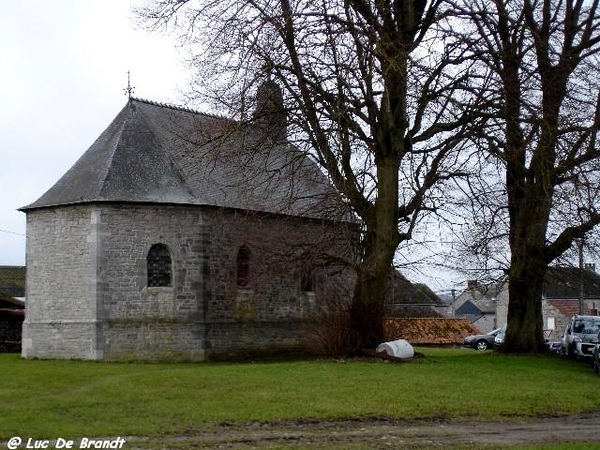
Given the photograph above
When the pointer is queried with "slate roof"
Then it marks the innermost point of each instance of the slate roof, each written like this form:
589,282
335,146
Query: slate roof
480,298
412,300
12,282
402,291
469,308
563,282
156,153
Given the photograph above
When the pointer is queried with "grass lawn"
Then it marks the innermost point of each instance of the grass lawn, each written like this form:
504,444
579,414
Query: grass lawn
79,398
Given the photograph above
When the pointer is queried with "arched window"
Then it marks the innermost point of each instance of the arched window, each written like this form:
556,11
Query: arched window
243,267
159,266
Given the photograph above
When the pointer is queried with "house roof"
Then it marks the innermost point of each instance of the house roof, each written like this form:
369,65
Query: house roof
567,308
11,302
411,300
13,312
423,331
480,298
156,153
402,291
12,282
563,282
468,308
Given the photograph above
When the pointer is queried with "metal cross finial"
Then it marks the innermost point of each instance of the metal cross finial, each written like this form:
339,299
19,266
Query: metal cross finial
129,89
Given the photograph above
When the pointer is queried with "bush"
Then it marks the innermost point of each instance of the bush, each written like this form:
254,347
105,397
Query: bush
328,330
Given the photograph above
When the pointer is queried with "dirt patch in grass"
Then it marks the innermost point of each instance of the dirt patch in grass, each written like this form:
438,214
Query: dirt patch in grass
384,433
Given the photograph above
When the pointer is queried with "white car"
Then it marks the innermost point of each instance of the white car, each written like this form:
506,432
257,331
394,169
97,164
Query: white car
580,336
499,339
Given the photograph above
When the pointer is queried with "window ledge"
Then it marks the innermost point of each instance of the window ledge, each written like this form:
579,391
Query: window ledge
155,290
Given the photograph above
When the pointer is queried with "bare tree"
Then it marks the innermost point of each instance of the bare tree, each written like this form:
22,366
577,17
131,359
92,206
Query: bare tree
373,93
543,115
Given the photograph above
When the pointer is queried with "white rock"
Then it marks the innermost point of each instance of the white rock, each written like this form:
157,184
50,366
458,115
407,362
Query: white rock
400,349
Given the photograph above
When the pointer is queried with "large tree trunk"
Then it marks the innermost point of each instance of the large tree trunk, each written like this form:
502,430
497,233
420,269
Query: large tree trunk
530,192
530,202
380,242
524,333
529,209
367,311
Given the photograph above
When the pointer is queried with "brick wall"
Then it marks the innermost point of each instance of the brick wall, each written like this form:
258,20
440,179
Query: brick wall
87,282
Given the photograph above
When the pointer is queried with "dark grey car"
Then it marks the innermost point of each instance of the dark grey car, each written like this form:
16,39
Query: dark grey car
482,341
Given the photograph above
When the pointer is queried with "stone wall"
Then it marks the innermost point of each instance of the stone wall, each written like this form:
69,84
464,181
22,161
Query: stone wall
88,277
60,317
560,321
268,314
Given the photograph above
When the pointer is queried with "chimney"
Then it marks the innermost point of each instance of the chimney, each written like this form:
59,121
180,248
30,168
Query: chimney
472,285
270,113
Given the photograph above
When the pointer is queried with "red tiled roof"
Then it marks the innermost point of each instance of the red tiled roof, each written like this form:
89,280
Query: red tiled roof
430,330
568,308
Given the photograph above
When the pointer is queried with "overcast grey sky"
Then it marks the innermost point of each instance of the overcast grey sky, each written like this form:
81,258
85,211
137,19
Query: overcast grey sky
64,67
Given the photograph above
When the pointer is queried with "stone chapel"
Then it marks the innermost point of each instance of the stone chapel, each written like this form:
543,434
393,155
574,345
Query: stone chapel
179,236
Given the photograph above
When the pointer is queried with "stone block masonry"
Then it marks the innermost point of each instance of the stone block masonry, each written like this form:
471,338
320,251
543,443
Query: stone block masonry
87,286
60,318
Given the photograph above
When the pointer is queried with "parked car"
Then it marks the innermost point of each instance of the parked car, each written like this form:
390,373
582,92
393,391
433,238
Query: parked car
596,355
481,341
499,339
555,347
581,336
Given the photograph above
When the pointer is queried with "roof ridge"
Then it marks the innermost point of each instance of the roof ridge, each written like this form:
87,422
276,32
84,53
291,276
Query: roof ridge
178,108
104,174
